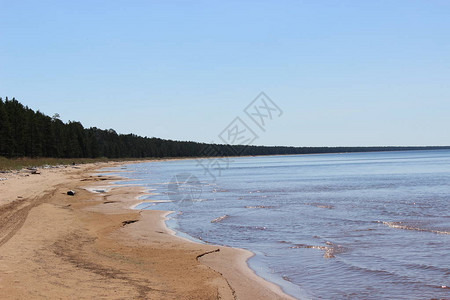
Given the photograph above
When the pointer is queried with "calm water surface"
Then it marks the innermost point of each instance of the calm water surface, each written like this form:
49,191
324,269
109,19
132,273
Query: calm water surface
330,226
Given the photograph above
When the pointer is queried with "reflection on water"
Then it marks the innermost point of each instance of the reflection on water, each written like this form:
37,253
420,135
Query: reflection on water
340,226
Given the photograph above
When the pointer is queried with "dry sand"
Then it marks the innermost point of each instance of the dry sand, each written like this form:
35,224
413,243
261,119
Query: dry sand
92,245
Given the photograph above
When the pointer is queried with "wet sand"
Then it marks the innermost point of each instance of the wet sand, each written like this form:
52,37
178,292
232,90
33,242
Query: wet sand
92,245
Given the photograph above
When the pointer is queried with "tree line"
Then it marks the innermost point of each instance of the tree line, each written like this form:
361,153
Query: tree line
28,133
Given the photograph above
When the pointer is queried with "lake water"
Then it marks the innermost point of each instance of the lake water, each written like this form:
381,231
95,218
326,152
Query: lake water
329,226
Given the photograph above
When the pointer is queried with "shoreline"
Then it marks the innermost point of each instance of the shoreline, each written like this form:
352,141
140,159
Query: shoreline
267,278
238,275
90,245
280,286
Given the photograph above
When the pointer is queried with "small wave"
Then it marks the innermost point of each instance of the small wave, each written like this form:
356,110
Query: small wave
330,251
325,206
219,219
321,205
260,206
428,267
296,246
253,192
402,225
243,228
367,229
259,227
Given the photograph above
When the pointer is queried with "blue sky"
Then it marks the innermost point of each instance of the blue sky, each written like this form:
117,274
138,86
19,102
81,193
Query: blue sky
343,72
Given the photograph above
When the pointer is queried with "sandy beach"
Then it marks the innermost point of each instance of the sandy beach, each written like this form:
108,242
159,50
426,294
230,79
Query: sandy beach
92,245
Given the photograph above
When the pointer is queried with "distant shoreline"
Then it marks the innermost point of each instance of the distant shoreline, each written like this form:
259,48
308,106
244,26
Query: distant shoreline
9,164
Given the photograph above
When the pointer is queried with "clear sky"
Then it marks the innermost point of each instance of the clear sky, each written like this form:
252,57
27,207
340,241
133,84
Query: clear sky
343,72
